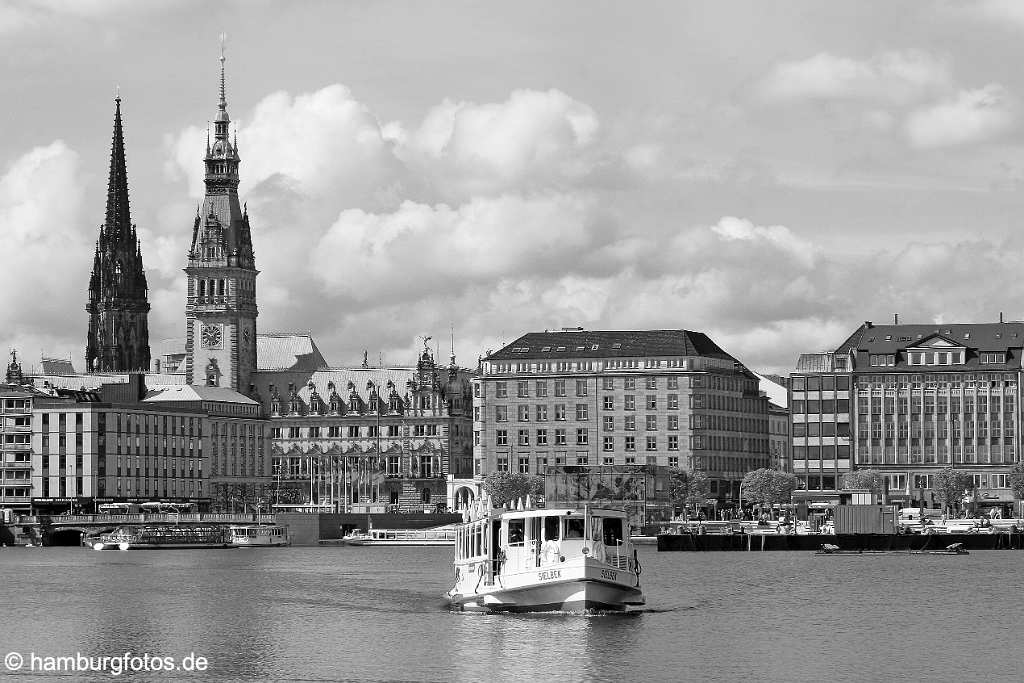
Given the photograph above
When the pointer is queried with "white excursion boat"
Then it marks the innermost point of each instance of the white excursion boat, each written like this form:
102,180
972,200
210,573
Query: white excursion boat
164,537
440,535
537,560
259,535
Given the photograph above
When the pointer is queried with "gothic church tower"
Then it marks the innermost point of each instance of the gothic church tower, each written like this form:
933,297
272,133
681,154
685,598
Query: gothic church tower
118,338
220,314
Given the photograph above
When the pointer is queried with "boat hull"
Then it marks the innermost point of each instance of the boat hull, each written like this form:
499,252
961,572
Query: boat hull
571,587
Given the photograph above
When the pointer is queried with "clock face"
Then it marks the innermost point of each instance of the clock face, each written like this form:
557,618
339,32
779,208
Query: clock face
211,336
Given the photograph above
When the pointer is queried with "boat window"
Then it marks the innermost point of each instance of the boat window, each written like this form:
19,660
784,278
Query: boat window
551,528
595,528
612,531
516,531
573,528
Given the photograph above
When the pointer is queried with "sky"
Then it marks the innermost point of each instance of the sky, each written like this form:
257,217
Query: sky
772,174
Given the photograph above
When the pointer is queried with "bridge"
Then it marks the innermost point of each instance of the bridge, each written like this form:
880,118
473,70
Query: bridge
69,529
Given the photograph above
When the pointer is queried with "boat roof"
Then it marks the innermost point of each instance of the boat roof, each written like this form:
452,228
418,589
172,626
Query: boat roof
561,512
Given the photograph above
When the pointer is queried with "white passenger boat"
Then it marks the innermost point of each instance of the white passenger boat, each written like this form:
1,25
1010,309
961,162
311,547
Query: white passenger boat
441,535
536,560
164,537
259,535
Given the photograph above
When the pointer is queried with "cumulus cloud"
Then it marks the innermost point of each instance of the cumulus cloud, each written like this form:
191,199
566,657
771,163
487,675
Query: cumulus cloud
47,252
894,76
532,139
971,116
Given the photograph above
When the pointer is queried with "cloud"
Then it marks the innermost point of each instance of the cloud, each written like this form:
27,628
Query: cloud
971,116
895,77
47,252
533,139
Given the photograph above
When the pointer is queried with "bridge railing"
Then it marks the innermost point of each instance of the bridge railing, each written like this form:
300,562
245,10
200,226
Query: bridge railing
144,518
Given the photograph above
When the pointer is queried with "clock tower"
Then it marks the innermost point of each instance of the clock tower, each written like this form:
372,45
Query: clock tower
220,313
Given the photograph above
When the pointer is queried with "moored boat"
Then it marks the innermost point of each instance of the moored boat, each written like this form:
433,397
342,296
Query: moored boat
259,535
165,537
441,535
535,560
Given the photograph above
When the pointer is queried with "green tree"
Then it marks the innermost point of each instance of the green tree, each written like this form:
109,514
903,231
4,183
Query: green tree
950,485
768,486
506,487
863,479
686,487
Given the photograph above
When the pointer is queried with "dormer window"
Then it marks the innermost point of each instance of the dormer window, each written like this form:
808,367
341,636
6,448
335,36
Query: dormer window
993,358
883,360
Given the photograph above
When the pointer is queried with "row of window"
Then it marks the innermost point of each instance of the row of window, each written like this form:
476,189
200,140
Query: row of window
351,431
422,466
523,462
931,404
821,383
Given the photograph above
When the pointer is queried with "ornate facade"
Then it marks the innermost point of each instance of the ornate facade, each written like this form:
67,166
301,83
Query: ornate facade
118,339
369,438
220,314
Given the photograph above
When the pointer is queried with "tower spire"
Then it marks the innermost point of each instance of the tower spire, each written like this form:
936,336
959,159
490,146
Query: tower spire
118,215
223,105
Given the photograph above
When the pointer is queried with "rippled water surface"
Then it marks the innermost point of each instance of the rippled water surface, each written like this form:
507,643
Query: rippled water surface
377,614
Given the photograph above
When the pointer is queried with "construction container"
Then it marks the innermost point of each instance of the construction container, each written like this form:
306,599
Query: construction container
865,519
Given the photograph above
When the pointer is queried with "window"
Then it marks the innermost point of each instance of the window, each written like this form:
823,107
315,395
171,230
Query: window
673,461
652,423
523,390
581,459
608,443
629,383
630,443
609,403
524,437
501,437
652,382
559,437
652,443
882,360
652,402
501,389
581,412
542,437
559,387
673,442
542,389
673,422
609,423
503,464
560,412
501,413
608,383
524,464
524,413
581,387
582,437
608,460
673,382
542,413
993,358
629,402
673,401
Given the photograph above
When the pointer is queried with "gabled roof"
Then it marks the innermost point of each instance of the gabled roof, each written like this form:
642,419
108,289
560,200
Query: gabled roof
610,344
937,341
288,351
340,377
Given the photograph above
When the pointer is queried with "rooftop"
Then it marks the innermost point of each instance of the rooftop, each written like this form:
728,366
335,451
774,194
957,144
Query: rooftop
610,344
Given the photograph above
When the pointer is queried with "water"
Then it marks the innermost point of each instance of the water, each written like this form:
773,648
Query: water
370,614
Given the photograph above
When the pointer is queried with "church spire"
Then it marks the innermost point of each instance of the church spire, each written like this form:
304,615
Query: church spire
118,215
118,338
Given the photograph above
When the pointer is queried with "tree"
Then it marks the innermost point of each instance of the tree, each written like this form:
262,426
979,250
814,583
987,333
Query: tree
950,484
1017,480
863,479
686,487
768,486
506,487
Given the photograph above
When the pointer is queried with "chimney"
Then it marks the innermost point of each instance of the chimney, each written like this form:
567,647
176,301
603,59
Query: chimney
895,318
1000,316
867,324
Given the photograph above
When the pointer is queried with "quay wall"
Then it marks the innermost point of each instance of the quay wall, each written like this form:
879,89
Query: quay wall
308,529
805,542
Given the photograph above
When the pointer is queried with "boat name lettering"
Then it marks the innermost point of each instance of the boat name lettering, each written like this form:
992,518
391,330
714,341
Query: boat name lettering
609,574
550,574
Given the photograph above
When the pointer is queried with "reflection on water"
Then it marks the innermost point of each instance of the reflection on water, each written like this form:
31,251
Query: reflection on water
378,614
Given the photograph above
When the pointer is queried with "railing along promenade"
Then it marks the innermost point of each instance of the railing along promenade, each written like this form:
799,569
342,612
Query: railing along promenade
148,518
